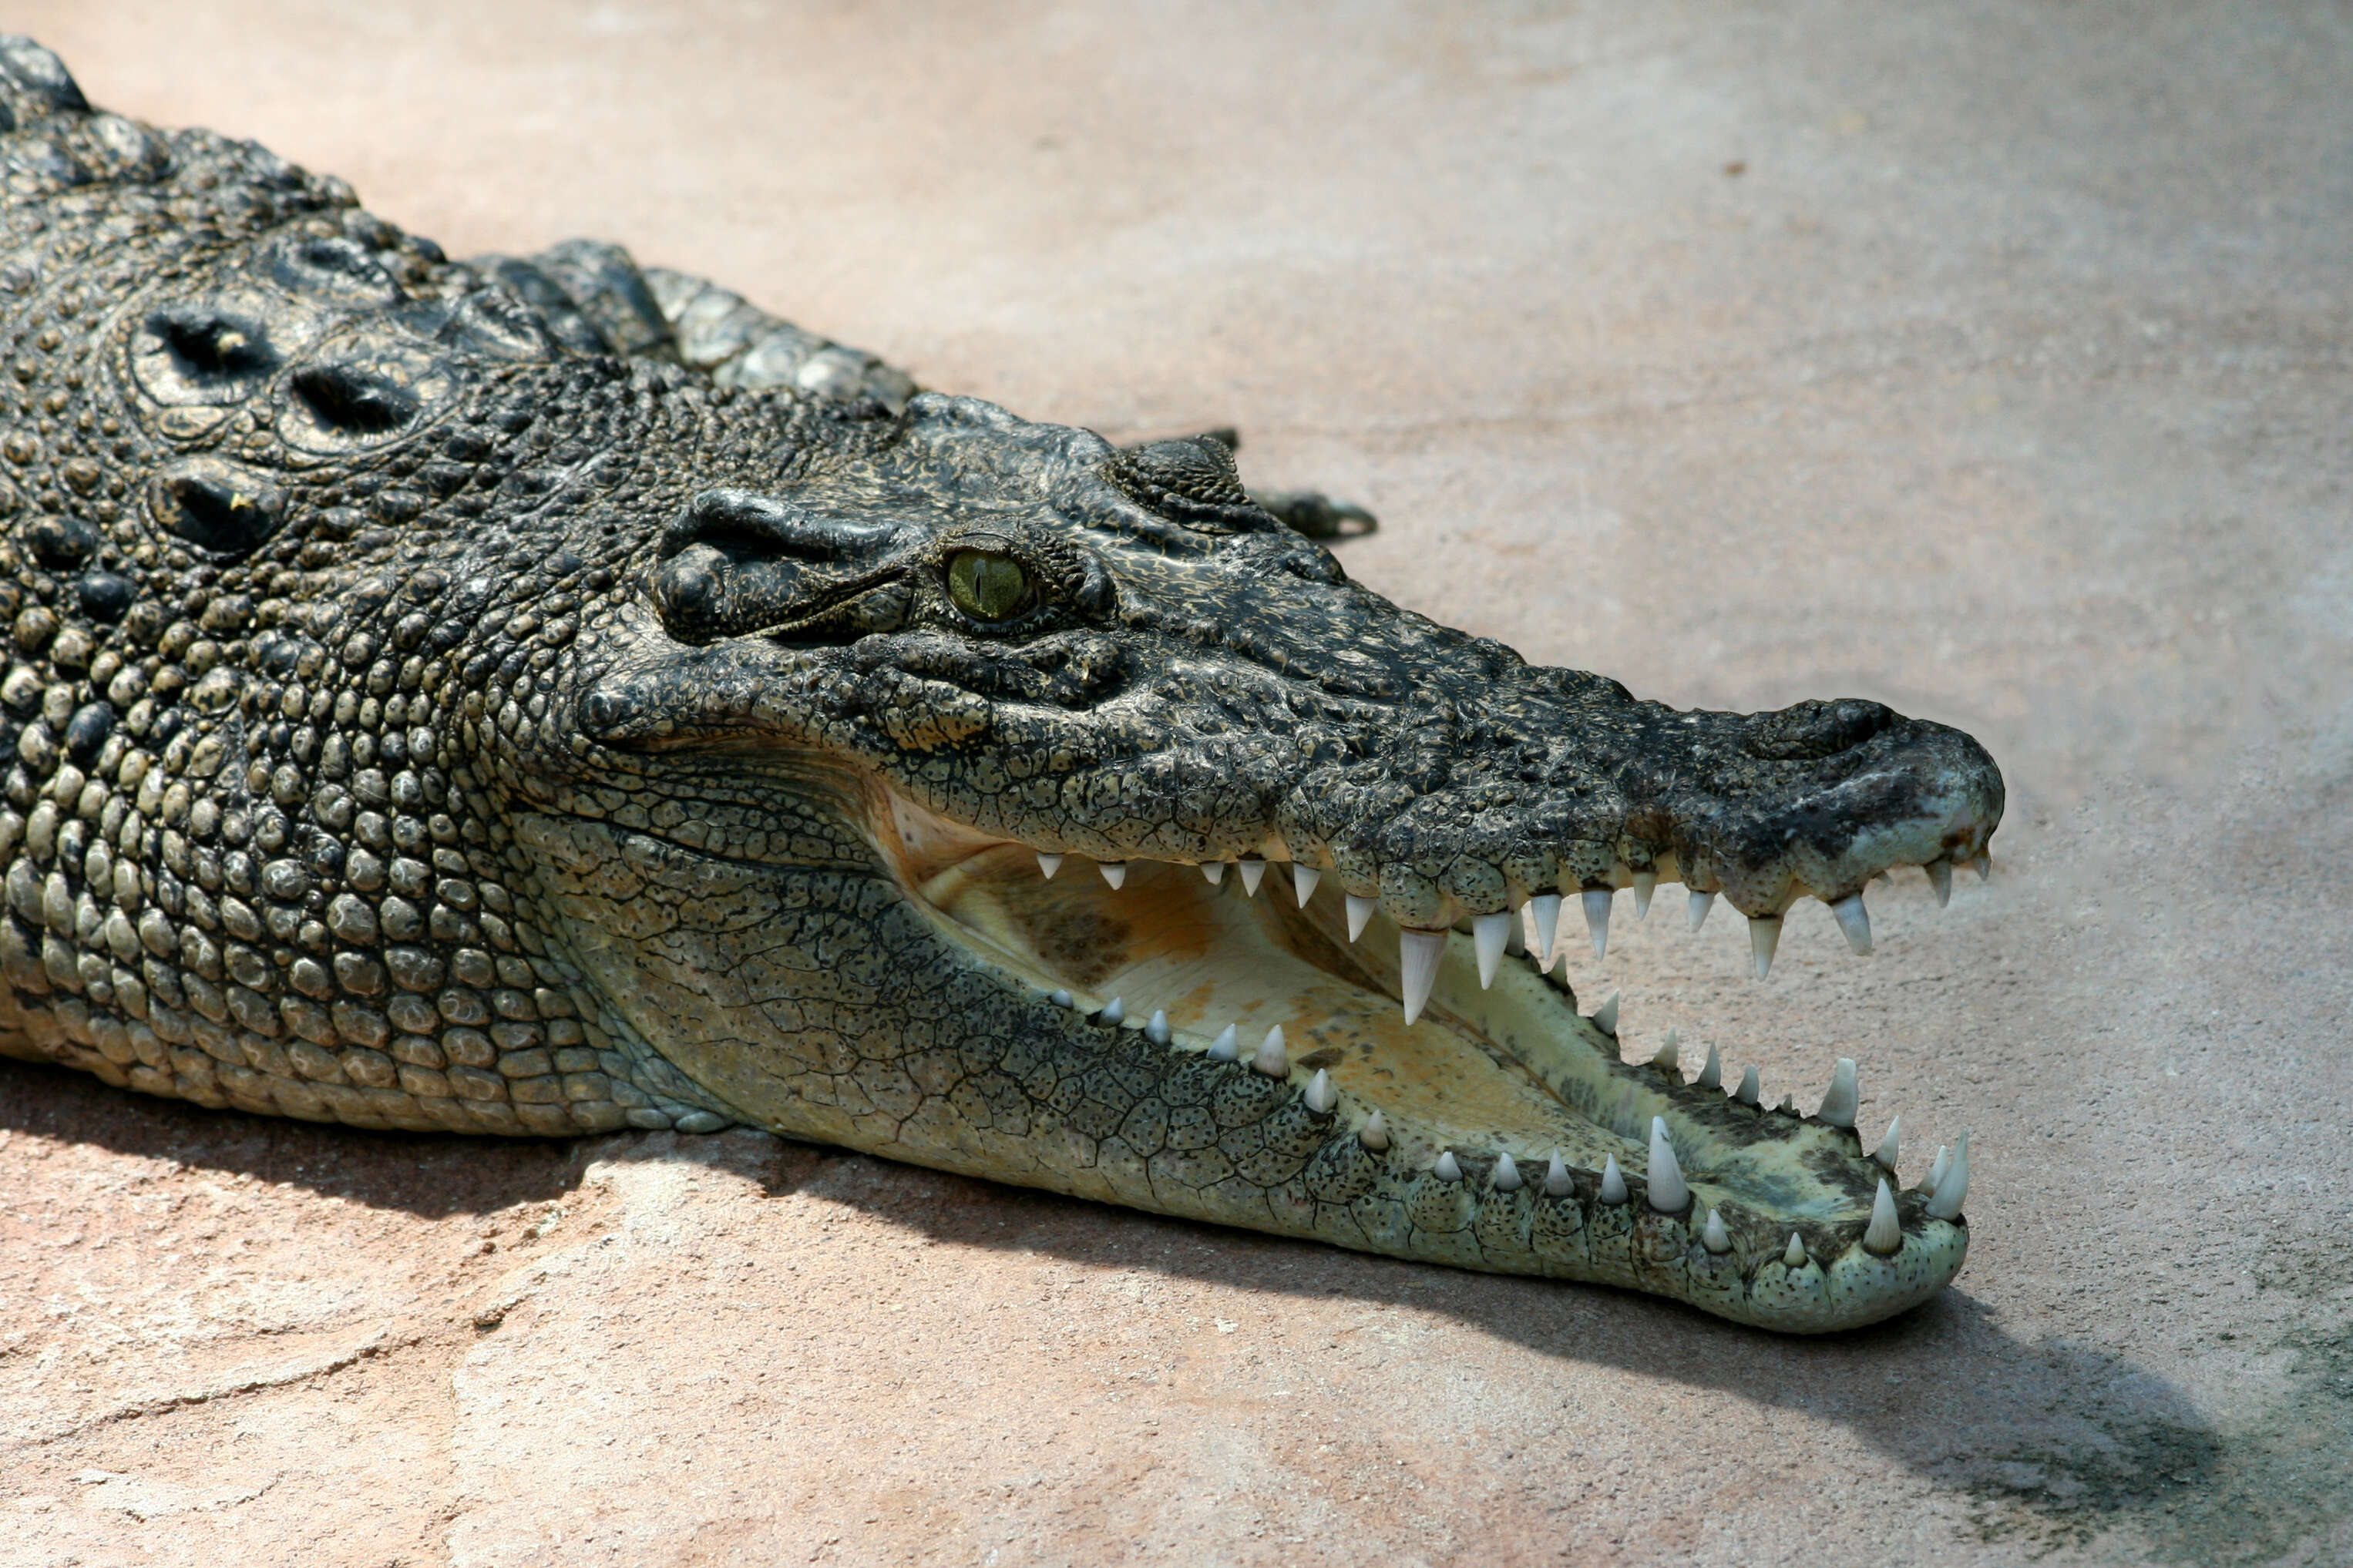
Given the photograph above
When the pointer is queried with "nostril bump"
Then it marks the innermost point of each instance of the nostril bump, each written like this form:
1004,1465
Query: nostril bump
1816,728
687,587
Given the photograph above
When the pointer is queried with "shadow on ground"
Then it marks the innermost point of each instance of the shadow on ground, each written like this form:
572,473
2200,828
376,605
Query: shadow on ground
2054,1445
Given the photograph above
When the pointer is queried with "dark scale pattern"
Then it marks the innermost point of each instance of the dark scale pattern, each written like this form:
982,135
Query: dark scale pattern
453,696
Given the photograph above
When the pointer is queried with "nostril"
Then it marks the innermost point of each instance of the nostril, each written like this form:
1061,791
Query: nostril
1816,728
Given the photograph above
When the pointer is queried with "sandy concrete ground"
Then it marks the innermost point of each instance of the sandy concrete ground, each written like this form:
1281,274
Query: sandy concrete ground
1988,359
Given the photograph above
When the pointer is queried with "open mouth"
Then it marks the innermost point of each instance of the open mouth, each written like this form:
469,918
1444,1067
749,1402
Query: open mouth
1467,1112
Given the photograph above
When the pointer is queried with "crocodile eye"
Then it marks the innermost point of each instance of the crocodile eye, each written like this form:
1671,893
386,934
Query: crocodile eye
987,586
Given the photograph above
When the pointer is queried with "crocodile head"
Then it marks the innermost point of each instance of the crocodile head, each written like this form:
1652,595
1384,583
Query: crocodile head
919,798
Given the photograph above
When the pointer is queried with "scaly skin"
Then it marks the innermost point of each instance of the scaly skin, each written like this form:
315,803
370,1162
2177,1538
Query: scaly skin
545,698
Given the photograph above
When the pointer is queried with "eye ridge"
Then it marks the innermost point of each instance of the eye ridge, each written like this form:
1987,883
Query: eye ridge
988,585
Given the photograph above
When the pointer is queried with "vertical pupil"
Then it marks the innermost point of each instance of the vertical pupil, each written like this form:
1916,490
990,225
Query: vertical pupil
989,587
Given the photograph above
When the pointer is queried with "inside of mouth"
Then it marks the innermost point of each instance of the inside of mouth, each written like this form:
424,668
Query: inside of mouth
1511,1067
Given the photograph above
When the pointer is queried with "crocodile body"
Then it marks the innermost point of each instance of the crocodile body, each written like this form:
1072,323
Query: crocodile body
552,697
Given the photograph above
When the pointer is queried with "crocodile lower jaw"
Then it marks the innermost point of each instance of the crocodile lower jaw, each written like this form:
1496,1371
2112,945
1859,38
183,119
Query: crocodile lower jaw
1507,1133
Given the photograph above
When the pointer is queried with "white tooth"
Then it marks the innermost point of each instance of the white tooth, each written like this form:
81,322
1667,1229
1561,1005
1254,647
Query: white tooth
1114,1011
1375,1133
1448,1168
1157,1031
1214,871
1516,942
1886,1151
1884,1233
1794,1255
1670,1055
1789,1106
1114,871
1751,1089
1695,910
1418,955
1944,1203
1936,1168
1645,884
1545,907
1605,1017
1252,872
1226,1047
1985,867
1321,1096
1359,911
1596,917
1940,877
1855,920
1271,1058
1303,881
1764,936
1488,934
1556,1182
1713,1238
1668,1193
1049,863
1845,1095
1058,998
1613,1182
1712,1075
1508,1174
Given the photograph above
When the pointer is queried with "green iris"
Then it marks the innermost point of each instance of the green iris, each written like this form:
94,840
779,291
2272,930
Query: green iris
986,586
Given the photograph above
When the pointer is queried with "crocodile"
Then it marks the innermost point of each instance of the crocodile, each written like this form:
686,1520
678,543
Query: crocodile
551,696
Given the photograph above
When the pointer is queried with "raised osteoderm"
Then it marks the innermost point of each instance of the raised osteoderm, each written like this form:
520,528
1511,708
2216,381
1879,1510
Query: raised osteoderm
551,697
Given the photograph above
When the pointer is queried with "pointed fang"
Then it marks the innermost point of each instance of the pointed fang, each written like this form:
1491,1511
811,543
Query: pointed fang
1884,1233
1645,884
1845,1095
1507,1174
1271,1058
1751,1089
1114,872
1794,1255
1226,1047
1944,1203
1556,1182
1321,1096
1375,1133
1359,911
1713,1237
1157,1031
1613,1182
1061,999
1764,937
1712,1075
1545,907
1489,933
1418,955
1253,872
1936,1168
1940,877
1448,1169
1696,912
1596,917
1303,881
1668,1193
1114,1011
1888,1146
1049,863
1605,1017
1670,1055
1214,871
1855,920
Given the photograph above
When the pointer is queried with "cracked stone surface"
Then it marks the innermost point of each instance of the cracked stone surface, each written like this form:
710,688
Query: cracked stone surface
2004,381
